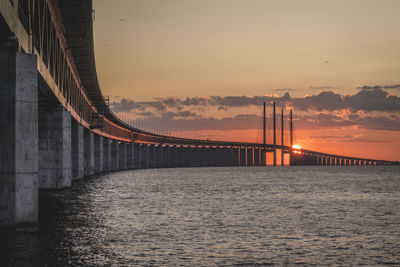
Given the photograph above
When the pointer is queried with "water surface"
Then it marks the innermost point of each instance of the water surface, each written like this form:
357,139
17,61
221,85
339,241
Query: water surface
237,216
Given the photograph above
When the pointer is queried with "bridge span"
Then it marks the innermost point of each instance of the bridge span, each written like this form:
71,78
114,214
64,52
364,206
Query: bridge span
56,126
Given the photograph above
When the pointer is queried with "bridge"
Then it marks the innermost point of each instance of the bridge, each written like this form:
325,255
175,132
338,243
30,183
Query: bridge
56,126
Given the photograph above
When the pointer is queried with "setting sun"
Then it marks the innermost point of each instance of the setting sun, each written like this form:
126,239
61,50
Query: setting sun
296,146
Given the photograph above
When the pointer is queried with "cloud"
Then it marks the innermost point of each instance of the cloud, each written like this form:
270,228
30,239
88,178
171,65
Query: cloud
326,121
365,100
238,122
372,100
375,99
327,100
171,114
365,87
192,122
284,89
147,114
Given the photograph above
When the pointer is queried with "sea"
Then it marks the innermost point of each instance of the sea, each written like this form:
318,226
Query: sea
225,216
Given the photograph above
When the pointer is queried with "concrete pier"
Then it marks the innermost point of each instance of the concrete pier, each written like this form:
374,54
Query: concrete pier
257,161
130,152
122,156
55,158
18,139
98,153
243,156
114,156
250,156
107,154
77,150
137,156
89,152
235,153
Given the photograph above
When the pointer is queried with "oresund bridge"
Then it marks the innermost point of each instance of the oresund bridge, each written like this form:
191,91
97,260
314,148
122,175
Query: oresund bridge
56,126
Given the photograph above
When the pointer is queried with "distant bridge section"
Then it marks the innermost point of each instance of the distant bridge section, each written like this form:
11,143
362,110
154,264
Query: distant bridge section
56,126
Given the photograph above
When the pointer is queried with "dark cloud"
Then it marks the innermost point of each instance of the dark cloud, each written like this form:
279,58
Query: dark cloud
327,100
365,87
171,114
372,100
375,99
128,105
365,100
147,114
191,121
326,121
238,122
284,89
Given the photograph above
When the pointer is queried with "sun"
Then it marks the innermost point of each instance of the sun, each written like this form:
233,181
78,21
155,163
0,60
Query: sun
296,147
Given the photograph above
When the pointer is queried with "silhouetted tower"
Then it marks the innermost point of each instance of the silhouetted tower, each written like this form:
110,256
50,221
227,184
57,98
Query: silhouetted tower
274,134
282,140
264,127
264,136
291,129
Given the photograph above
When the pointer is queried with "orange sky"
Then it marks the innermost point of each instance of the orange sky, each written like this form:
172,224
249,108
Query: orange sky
160,55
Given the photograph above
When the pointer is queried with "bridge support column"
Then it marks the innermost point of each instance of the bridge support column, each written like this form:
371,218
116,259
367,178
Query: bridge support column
203,156
250,155
137,156
152,156
98,153
211,158
194,155
107,154
55,166
182,154
122,156
146,156
243,156
257,157
172,156
114,155
165,156
263,157
18,139
207,157
78,144
129,155
158,156
227,157
89,152
221,157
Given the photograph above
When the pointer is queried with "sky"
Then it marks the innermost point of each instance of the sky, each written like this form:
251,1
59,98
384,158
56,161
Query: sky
203,69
